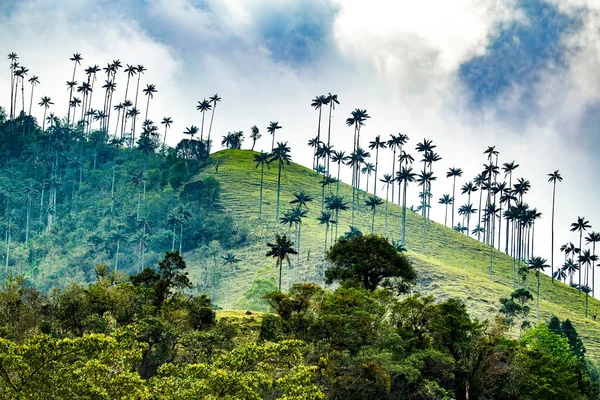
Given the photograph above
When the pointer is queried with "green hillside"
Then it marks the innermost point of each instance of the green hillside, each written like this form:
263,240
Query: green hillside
452,265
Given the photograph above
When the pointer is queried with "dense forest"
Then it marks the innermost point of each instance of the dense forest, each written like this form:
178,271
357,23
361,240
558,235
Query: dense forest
143,337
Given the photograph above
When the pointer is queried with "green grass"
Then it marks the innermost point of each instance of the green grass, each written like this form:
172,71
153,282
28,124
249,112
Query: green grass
450,265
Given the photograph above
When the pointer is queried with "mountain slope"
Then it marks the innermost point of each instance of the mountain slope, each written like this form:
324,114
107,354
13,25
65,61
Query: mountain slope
450,265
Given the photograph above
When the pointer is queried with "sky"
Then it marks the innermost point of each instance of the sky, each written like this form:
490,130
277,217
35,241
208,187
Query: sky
521,75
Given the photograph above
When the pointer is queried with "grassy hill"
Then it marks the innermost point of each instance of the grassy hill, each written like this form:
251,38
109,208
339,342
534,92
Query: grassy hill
451,264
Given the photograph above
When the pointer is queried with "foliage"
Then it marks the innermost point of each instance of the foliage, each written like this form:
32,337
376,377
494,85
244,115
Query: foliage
370,261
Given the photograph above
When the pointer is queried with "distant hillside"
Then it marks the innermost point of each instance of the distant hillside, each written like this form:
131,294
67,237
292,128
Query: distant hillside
451,265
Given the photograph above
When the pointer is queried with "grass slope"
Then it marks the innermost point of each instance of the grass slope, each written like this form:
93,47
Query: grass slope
451,265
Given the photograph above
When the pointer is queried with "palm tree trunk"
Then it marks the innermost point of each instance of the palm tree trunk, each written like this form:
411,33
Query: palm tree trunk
318,134
479,212
27,219
373,220
446,217
453,201
325,247
337,188
393,171
552,240
227,288
262,173
137,90
8,237
376,165
278,191
147,107
202,128
404,215
387,195
165,137
117,256
211,120
31,99
329,132
579,287
280,267
537,312
44,120
180,237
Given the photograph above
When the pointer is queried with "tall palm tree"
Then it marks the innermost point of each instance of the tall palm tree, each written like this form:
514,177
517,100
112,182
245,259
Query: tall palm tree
554,177
537,264
12,57
593,238
140,71
166,121
76,102
357,120
588,260
76,61
117,236
10,224
479,182
326,218
387,180
336,204
46,103
149,92
468,188
585,289
213,101
367,170
301,199
262,159
580,226
34,80
570,268
281,250
372,203
254,135
424,179
405,176
332,101
317,103
281,154
376,145
338,157
446,200
230,260
466,210
183,216
272,128
394,143
454,173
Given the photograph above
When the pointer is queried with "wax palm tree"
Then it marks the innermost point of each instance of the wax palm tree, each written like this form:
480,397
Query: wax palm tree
183,216
405,176
538,264
34,80
326,181
166,121
387,180
446,200
272,128
149,92
281,250
338,157
332,101
580,226
46,103
454,173
585,289
372,203
367,170
301,199
588,260
357,120
117,236
76,61
593,238
317,103
141,239
326,218
336,204
468,188
213,101
262,159
230,260
560,275
570,268
288,219
140,71
424,179
10,226
281,154
254,135
479,182
376,145
394,143
554,177
12,57
76,102
297,213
